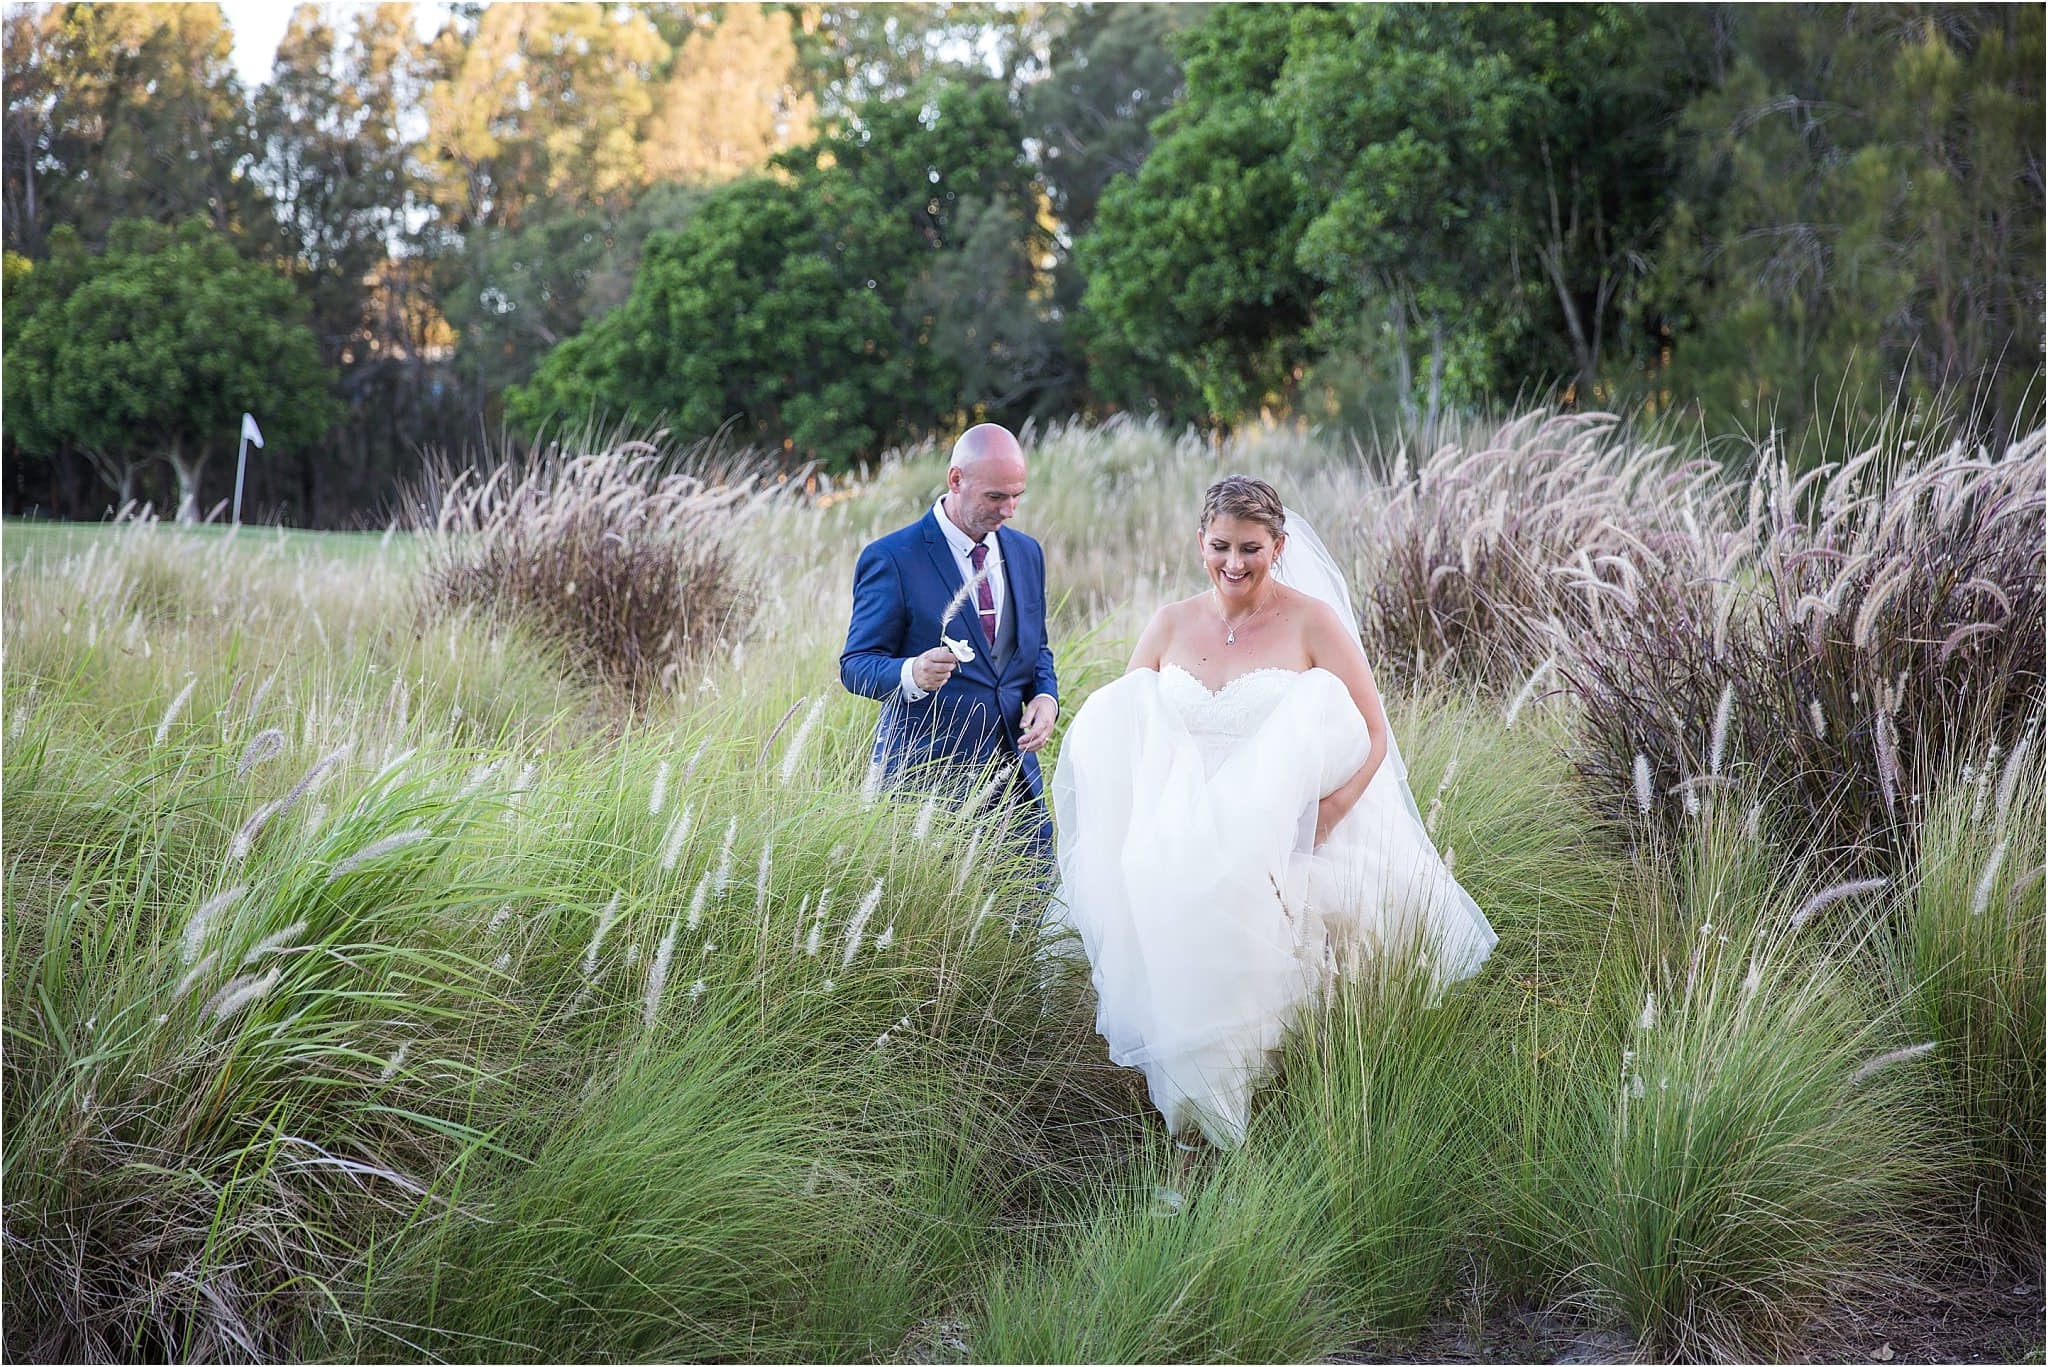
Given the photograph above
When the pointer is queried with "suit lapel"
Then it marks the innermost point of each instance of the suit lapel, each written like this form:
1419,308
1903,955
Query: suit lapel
1023,604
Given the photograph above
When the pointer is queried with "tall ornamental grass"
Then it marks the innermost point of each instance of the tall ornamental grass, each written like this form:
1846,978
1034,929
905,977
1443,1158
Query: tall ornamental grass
1864,630
1747,1138
633,568
1968,964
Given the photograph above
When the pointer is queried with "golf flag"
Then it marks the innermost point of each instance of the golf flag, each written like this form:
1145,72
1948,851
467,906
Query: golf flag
251,432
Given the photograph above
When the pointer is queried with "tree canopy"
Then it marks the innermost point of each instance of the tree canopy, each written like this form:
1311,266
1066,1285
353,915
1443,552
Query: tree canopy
155,348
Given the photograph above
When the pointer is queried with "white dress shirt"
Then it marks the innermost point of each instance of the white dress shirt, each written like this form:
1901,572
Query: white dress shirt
962,546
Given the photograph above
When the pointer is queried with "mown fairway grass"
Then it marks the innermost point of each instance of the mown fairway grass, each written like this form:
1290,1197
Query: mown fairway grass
379,986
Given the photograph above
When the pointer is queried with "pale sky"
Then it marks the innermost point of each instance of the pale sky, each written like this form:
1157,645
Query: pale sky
259,24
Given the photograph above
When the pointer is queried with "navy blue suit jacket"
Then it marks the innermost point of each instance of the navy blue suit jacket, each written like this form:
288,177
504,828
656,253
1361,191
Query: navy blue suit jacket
901,583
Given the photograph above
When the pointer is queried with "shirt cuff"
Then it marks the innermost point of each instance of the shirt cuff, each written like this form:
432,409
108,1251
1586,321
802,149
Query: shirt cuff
911,692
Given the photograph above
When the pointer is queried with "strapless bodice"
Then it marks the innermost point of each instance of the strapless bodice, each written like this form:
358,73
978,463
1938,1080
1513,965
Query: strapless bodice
1219,719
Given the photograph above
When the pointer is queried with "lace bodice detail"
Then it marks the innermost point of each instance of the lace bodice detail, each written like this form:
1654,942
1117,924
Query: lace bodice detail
1219,721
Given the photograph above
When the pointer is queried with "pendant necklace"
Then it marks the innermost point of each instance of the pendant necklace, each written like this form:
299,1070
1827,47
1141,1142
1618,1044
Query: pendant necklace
1230,632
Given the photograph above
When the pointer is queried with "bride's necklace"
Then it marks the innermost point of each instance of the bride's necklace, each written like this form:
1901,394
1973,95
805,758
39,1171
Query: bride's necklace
1229,631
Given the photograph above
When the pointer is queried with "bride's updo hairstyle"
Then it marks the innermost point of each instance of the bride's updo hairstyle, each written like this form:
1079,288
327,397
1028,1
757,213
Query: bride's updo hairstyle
1247,500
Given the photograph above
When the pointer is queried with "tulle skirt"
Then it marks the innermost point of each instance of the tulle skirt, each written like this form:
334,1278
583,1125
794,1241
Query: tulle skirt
1207,919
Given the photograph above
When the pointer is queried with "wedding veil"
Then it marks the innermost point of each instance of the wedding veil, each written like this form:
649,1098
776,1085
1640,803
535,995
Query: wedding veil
1307,566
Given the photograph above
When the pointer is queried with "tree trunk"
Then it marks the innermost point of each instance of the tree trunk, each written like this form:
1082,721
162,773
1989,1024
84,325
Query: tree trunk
1404,369
1436,374
188,481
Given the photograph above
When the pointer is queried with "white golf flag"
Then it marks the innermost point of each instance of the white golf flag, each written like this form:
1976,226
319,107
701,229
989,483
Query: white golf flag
250,431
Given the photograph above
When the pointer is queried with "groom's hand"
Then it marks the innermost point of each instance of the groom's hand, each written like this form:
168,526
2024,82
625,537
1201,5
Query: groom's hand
933,668
1035,727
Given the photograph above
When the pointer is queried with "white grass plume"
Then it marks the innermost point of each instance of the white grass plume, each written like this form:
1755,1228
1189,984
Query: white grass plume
1648,1019
239,993
202,920
797,743
1724,711
721,876
263,745
697,899
1827,897
605,920
659,796
672,845
922,830
2009,777
1980,900
1643,788
163,728
1883,1061
395,1062
657,976
959,600
857,925
378,850
270,944
1528,691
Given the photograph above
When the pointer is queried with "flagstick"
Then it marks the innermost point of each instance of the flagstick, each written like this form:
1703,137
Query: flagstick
241,461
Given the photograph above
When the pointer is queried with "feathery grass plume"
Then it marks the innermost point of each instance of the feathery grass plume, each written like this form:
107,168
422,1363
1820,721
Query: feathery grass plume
959,600
1724,710
270,944
857,924
660,794
988,907
378,850
605,919
815,939
1648,1019
1875,600
2009,777
886,938
240,992
762,871
800,740
193,975
1980,898
696,756
262,746
1644,792
1818,718
921,831
394,763
871,783
1528,689
966,865
395,1062
163,728
1883,1061
1827,897
1889,777
657,976
477,779
245,838
202,920
498,919
672,844
803,916
697,990
1753,979
697,901
721,876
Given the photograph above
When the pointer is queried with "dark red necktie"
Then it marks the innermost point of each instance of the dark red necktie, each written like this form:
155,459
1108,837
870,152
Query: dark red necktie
984,593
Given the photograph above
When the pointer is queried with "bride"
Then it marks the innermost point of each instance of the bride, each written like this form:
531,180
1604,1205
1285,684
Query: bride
1235,823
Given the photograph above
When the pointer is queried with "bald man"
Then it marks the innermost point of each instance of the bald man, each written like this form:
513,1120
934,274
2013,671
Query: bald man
989,699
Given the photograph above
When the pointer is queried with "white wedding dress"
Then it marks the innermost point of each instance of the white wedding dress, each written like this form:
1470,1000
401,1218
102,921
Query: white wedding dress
1186,819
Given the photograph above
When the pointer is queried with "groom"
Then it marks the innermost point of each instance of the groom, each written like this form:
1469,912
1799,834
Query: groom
950,715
